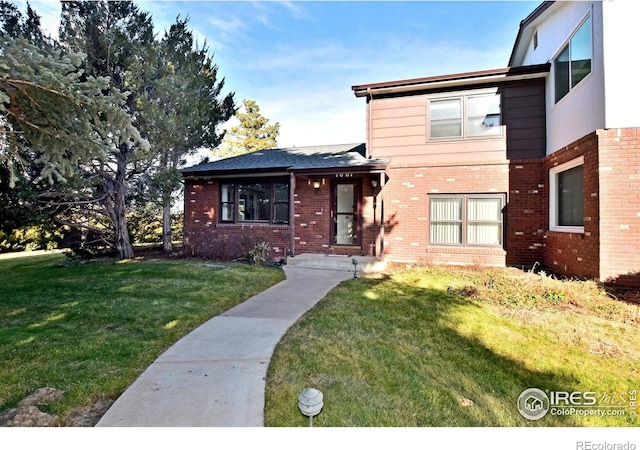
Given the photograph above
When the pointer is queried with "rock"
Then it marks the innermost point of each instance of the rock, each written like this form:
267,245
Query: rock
88,416
28,416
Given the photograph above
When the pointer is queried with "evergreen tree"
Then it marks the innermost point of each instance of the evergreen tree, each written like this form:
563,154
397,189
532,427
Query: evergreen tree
252,134
114,36
180,110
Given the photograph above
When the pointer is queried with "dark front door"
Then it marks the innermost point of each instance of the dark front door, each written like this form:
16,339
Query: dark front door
345,213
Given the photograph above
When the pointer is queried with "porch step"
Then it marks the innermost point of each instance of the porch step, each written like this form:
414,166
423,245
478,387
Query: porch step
366,264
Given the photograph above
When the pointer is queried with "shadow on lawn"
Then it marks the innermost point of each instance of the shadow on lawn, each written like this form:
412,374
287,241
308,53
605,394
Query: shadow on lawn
398,348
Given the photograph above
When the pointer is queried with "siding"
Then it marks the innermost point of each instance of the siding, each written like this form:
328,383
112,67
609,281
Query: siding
398,128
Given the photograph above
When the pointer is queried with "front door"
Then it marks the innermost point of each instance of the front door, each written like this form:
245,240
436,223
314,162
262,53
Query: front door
345,213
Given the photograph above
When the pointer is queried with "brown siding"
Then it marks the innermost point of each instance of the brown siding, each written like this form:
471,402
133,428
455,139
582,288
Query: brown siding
399,129
523,114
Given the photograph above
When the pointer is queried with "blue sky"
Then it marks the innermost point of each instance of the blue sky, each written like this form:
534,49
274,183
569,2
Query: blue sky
299,59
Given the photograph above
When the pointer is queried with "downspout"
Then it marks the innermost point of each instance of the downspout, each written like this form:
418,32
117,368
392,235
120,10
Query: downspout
381,194
369,120
292,214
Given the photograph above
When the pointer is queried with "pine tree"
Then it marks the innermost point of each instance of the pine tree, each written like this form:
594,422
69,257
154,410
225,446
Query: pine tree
252,134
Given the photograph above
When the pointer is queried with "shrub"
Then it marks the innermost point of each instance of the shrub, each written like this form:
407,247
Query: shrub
259,254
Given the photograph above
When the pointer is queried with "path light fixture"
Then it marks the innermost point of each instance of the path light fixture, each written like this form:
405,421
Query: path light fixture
310,403
354,261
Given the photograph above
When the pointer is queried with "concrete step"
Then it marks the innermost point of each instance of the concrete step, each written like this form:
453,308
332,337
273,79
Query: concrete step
366,264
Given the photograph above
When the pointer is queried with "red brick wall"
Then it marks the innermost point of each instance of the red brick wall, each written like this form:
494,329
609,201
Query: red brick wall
526,219
619,178
205,236
407,209
313,218
609,249
576,254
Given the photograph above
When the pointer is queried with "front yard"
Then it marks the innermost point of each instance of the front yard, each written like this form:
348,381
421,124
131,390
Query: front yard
431,347
415,347
89,328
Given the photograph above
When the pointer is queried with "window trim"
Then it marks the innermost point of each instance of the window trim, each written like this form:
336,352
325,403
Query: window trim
236,201
567,45
464,221
553,196
463,97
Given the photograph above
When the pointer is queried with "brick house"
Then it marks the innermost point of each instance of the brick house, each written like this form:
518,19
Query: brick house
535,163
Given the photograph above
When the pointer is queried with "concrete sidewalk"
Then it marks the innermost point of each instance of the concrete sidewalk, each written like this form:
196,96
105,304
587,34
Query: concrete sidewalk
215,376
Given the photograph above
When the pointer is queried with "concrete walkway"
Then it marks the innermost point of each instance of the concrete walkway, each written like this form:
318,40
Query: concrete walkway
215,376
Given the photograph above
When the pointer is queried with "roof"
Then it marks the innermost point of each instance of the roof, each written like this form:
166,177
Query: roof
342,157
452,80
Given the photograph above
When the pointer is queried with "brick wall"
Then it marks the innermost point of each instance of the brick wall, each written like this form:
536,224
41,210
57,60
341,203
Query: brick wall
609,249
619,179
205,236
526,217
576,254
407,209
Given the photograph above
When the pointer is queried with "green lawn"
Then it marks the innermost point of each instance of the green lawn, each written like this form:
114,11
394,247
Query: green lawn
90,328
456,347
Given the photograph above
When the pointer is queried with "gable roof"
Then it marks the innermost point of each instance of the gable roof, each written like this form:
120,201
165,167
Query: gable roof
525,33
342,157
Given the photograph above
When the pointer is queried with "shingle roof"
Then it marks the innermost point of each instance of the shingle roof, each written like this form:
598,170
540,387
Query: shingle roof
342,156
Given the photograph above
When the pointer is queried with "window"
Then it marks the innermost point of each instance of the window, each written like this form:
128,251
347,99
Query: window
466,220
257,202
566,211
573,63
466,116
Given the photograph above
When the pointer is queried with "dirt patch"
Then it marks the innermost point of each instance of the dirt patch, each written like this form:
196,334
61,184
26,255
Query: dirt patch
28,413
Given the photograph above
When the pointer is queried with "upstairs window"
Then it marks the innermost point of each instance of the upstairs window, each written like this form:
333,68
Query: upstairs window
469,116
254,202
573,63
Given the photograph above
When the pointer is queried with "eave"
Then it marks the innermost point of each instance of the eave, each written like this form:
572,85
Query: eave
494,76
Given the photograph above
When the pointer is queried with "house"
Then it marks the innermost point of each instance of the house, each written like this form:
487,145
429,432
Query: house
318,199
534,163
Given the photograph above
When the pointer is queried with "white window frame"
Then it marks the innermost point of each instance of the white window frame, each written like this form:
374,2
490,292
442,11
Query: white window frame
463,96
553,196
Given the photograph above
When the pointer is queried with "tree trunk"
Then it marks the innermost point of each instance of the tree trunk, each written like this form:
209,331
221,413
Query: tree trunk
166,222
118,208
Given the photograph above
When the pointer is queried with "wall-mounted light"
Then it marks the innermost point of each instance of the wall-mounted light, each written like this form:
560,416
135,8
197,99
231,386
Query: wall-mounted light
374,183
316,185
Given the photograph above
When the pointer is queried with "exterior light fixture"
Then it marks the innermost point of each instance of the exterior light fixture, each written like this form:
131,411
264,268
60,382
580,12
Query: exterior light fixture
316,185
374,183
310,403
354,261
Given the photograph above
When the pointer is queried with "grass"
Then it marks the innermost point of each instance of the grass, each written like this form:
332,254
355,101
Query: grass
91,328
430,347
